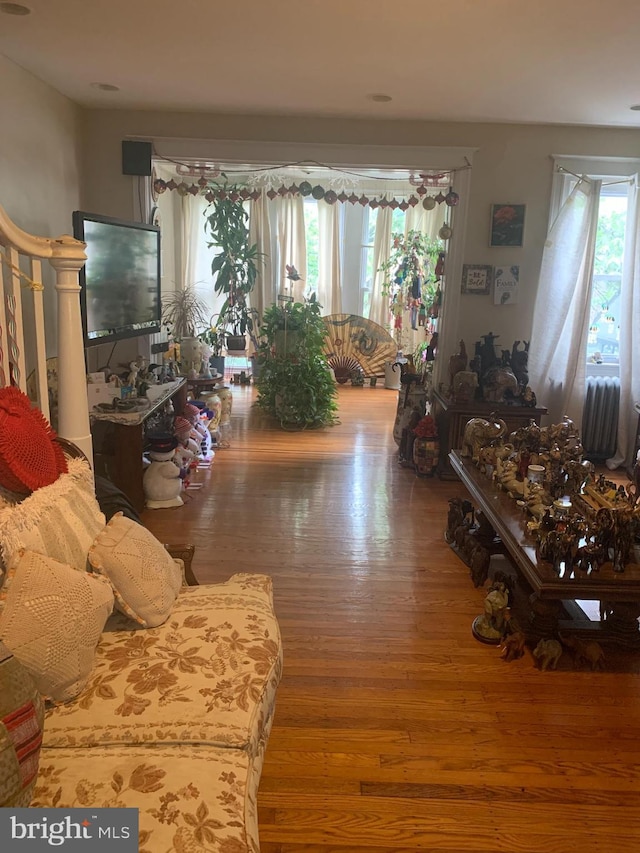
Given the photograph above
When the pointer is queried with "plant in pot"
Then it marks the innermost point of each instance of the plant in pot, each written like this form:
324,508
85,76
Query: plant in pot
295,384
185,314
234,267
215,338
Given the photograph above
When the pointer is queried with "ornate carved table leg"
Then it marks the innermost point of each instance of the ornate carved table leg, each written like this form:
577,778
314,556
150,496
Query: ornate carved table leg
543,617
621,622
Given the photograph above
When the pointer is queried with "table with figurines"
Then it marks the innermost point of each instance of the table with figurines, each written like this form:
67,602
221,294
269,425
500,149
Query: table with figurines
571,535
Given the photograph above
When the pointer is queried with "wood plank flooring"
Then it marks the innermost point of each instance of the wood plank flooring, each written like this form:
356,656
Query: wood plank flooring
395,730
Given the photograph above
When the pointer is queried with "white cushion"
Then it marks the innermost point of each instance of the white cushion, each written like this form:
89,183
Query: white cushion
145,579
60,520
51,619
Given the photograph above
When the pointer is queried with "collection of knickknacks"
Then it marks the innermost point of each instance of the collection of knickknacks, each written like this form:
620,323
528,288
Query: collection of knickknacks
185,445
581,522
486,376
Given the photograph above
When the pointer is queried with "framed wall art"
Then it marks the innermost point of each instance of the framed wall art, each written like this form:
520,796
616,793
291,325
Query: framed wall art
477,278
507,225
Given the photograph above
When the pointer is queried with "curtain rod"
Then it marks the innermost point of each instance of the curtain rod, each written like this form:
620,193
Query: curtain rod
588,179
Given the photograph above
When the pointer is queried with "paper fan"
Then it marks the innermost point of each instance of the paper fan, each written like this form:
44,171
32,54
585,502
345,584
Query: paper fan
354,342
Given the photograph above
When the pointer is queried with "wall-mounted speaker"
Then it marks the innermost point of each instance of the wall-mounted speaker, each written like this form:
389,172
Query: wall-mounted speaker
136,157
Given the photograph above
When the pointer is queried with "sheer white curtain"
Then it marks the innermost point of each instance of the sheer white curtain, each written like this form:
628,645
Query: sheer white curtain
260,233
428,221
558,347
629,335
379,308
329,265
292,245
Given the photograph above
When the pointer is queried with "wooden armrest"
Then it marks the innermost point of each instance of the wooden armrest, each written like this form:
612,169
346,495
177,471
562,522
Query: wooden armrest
184,553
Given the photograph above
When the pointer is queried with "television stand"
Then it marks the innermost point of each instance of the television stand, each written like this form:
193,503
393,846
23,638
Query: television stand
119,441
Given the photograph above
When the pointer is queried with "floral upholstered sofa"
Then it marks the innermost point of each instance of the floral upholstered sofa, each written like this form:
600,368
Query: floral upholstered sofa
172,719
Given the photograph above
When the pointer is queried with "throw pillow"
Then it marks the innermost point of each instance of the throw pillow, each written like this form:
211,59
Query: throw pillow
29,454
145,579
21,721
60,520
51,619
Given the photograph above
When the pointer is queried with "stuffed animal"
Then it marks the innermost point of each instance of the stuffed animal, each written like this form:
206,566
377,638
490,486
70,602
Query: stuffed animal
162,480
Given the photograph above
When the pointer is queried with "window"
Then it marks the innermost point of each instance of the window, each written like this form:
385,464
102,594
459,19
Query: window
604,322
312,233
367,271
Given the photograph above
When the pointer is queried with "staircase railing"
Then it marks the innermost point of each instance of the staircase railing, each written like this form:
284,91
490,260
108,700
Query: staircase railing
22,326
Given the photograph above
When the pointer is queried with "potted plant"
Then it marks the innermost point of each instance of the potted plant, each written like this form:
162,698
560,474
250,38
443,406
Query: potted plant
234,267
214,337
295,384
185,314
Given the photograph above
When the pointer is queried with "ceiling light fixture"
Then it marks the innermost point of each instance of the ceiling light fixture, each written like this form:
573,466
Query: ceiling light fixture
380,98
105,87
14,9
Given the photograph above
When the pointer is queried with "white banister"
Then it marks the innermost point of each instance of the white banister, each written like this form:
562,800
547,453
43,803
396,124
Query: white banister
66,255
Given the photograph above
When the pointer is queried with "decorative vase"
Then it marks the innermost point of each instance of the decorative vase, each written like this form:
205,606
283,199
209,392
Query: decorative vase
426,453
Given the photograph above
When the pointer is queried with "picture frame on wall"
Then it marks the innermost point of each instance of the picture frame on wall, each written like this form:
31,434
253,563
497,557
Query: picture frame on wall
477,278
507,225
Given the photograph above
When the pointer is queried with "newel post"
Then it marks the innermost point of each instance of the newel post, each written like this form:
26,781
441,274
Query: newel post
73,407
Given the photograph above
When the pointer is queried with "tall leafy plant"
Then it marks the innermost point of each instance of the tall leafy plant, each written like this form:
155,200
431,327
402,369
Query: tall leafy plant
235,267
294,384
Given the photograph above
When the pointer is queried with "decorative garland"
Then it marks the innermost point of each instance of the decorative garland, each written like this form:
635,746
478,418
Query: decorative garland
305,189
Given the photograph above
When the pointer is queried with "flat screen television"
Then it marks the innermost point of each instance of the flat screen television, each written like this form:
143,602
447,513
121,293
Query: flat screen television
120,296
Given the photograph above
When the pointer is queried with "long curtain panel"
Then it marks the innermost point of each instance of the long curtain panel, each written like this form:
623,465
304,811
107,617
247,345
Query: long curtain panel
196,254
292,245
629,335
558,347
379,308
260,234
329,260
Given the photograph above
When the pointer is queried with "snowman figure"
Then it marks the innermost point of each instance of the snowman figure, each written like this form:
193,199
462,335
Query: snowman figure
162,480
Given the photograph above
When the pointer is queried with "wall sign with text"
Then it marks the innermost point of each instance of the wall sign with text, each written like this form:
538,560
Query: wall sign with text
477,278
506,283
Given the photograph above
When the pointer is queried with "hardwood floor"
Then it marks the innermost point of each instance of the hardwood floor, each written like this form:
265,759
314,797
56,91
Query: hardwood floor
395,730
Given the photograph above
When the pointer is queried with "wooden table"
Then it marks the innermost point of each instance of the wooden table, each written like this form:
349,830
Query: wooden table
119,440
547,600
452,417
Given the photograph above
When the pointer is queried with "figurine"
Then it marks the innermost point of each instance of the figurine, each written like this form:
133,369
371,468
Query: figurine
513,646
162,480
547,654
491,626
479,432
585,652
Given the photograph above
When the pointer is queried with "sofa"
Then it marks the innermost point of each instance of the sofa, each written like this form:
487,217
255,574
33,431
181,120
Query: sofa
172,710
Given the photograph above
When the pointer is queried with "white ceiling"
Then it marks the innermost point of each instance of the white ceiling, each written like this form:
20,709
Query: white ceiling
542,61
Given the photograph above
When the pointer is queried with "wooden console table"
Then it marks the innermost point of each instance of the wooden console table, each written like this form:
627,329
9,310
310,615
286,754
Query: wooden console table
547,600
119,440
451,419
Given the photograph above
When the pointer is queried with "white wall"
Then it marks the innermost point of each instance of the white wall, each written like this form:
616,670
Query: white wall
39,165
39,153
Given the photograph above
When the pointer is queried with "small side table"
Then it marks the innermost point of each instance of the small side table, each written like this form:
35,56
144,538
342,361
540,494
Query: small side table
205,384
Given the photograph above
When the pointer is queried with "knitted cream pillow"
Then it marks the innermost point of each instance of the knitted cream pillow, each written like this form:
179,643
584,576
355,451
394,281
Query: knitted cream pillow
60,520
145,579
51,619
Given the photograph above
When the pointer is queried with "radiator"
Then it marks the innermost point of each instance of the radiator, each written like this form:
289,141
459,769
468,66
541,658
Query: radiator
600,416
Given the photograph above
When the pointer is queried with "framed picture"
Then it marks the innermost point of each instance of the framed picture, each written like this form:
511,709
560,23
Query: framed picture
506,282
507,224
477,278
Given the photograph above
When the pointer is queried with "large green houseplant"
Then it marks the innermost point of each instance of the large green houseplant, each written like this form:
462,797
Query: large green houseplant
295,385
234,266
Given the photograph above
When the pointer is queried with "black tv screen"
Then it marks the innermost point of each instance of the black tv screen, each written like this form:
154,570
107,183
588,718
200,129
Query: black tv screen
120,281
